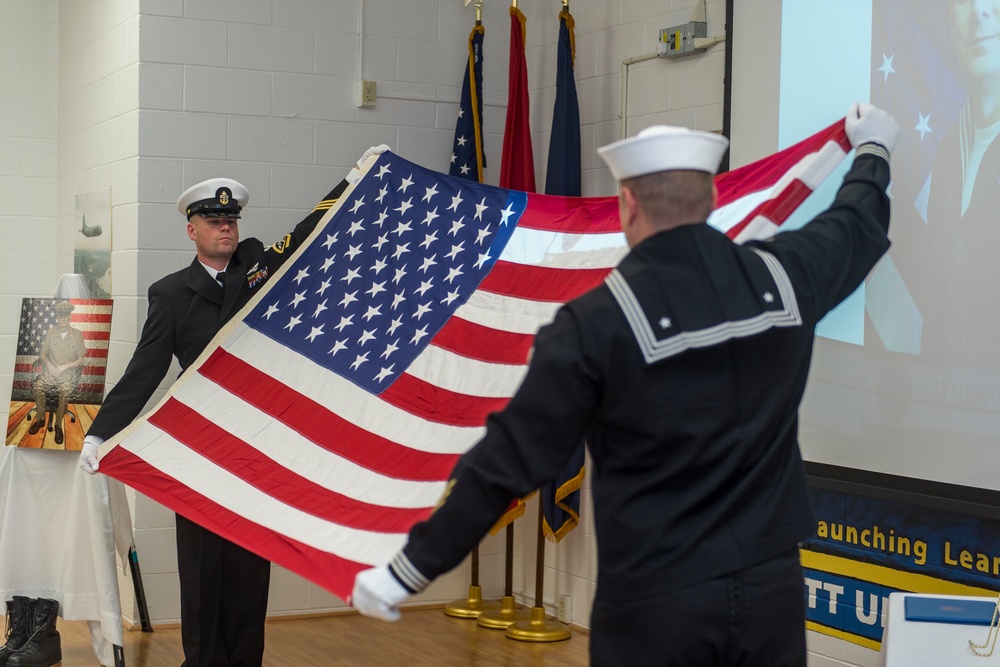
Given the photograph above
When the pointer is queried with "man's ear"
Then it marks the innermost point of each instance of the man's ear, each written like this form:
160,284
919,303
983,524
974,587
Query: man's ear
630,205
715,195
190,230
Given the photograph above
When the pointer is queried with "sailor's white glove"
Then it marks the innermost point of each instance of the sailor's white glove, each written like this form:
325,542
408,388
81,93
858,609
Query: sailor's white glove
88,455
377,594
355,174
869,124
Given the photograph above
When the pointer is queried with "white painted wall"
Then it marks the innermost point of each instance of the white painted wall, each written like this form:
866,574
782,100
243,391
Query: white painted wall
155,95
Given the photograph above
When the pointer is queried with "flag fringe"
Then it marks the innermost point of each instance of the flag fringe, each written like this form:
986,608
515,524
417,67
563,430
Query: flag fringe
571,27
511,515
566,489
523,20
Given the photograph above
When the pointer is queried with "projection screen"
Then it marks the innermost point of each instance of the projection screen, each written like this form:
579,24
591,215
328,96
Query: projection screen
906,375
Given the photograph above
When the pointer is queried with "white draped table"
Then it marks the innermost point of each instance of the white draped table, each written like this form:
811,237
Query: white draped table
59,531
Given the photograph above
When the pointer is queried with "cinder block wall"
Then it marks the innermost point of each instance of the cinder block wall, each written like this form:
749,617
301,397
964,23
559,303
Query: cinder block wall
29,63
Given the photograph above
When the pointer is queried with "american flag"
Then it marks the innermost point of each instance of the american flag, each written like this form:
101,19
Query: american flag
326,418
92,317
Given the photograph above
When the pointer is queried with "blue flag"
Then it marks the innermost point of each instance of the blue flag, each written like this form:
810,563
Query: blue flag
563,173
467,157
561,496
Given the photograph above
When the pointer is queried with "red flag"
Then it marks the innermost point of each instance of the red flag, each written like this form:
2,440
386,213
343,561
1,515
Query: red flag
325,419
517,165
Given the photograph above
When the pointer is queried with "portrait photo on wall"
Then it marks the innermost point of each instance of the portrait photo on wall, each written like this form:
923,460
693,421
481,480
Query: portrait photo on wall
62,352
92,242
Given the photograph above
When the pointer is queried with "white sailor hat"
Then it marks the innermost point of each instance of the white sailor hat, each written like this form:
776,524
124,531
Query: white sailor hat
664,148
216,197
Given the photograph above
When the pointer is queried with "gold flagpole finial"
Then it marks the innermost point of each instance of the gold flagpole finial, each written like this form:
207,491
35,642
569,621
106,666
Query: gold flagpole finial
565,5
479,12
513,3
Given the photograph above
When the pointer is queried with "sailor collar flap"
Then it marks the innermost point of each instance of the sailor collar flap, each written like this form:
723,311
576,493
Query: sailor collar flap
665,329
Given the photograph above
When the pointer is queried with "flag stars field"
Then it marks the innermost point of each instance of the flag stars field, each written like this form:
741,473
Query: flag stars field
369,251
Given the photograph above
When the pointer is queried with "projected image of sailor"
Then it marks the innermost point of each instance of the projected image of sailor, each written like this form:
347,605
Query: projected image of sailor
965,192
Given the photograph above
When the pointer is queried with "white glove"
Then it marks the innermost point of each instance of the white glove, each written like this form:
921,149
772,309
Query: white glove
868,124
88,455
355,174
377,594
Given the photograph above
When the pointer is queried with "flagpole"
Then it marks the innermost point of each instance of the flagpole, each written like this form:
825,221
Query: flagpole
474,604
508,613
539,629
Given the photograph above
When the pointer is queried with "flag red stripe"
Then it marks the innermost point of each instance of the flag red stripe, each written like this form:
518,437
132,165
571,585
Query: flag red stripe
440,405
330,571
249,464
476,341
582,215
323,427
96,303
100,318
765,173
538,283
776,210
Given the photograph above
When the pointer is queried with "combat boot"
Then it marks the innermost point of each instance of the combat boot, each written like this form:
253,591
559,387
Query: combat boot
43,648
17,633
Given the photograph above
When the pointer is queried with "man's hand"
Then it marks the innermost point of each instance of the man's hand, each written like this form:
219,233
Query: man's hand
355,174
88,455
869,124
377,594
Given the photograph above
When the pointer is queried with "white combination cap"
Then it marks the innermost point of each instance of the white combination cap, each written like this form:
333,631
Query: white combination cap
216,197
664,148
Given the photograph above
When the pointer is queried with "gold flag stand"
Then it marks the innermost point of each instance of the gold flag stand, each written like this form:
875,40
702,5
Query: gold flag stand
474,605
538,628
508,614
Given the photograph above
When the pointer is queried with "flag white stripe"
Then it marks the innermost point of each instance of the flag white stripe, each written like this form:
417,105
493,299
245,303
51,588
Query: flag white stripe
293,451
351,402
818,167
462,375
564,251
202,476
507,313
724,217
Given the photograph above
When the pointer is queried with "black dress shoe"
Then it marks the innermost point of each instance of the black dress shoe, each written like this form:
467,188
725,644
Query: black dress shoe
36,426
59,435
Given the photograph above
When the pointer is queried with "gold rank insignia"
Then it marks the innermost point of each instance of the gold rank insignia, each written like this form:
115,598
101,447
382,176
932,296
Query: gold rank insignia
444,496
279,247
223,197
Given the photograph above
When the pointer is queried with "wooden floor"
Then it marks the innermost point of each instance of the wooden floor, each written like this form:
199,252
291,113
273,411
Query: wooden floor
422,638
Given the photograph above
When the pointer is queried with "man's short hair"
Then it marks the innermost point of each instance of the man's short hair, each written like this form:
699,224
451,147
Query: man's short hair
672,195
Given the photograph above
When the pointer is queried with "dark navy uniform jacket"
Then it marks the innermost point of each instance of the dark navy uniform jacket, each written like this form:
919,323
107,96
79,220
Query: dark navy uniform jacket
186,310
684,373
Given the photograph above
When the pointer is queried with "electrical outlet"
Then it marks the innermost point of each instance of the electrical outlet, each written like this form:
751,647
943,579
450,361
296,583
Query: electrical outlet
366,93
565,608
